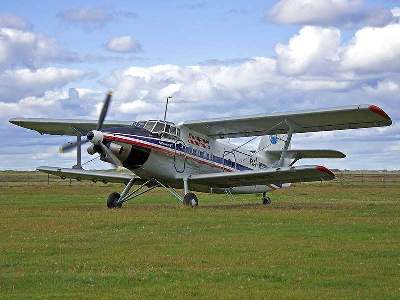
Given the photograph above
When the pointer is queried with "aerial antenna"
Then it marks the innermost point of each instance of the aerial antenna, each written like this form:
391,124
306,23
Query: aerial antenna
166,108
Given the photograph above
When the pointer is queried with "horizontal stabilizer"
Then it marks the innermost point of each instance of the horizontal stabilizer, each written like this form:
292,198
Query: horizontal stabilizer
264,177
338,118
92,175
308,153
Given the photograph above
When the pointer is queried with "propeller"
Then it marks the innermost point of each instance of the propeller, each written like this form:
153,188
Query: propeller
111,156
104,110
96,136
68,147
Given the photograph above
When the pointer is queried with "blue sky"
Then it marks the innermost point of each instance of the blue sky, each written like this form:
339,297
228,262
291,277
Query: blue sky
223,57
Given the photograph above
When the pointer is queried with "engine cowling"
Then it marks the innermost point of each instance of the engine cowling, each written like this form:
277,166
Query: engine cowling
91,149
115,148
95,137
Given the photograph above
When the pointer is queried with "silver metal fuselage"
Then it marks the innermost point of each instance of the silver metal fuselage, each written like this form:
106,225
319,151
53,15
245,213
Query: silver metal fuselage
172,160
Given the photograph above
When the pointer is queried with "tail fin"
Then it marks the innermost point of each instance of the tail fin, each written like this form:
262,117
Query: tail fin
268,146
272,142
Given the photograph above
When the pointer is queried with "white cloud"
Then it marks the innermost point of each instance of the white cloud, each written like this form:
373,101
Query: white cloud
20,83
327,12
308,72
312,11
194,83
123,44
373,49
60,103
93,18
30,49
318,51
12,21
395,12
135,107
313,49
384,88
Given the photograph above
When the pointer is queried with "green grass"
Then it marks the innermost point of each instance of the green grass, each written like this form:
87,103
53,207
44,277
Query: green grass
320,241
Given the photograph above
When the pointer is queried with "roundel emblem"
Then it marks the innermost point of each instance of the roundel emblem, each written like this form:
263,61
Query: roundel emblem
273,139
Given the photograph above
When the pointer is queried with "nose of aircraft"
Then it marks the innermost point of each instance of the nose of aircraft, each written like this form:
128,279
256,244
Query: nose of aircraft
95,136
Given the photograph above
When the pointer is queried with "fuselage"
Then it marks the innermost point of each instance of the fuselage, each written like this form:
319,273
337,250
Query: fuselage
171,158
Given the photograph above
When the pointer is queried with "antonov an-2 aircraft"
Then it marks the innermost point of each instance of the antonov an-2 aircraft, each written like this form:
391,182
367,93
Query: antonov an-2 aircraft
191,156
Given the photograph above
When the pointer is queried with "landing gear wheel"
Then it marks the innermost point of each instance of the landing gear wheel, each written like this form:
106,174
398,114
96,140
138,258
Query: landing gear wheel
266,199
190,199
112,201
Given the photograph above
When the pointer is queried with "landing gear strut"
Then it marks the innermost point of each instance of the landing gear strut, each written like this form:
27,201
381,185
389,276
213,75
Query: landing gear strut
266,200
115,200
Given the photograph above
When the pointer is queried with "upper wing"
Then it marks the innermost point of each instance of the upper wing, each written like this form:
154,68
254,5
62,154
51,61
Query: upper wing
264,177
80,174
352,117
308,153
63,126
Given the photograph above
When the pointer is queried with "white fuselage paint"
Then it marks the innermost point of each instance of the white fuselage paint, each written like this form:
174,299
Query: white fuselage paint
172,165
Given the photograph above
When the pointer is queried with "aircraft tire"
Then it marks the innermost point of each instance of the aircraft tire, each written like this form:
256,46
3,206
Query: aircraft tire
191,200
266,200
112,200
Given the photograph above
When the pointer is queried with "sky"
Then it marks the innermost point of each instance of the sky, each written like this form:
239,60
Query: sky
215,58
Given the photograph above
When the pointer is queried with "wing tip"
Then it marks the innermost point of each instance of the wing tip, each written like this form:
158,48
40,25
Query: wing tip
376,109
13,121
325,170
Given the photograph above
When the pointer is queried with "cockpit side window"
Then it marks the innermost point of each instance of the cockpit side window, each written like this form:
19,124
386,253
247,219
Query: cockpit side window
149,125
167,128
159,128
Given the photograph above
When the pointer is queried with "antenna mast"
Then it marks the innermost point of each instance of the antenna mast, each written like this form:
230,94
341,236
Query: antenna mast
166,107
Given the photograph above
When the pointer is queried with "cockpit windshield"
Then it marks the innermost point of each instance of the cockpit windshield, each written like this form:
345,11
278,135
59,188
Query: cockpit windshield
162,128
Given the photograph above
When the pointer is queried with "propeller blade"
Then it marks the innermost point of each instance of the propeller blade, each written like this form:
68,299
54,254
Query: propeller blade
115,161
68,147
72,145
104,110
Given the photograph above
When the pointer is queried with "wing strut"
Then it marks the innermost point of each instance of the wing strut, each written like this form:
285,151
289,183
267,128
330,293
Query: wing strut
78,152
287,143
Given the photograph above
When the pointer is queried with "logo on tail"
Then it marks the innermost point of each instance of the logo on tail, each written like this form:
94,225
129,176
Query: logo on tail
273,139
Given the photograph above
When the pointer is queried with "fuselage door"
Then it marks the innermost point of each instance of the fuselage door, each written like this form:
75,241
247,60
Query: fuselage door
229,160
180,156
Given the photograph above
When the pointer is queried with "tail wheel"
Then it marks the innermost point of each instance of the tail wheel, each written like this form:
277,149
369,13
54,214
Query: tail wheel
266,200
190,199
112,200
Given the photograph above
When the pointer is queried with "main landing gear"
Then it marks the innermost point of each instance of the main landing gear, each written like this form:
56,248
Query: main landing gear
112,201
115,200
265,199
191,200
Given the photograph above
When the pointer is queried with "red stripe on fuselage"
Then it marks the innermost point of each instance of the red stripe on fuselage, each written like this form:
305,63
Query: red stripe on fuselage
139,143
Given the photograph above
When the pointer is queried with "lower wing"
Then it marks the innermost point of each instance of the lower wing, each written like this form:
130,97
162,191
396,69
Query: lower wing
264,177
80,174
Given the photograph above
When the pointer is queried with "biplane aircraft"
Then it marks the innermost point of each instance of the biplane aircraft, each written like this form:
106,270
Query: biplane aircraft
192,155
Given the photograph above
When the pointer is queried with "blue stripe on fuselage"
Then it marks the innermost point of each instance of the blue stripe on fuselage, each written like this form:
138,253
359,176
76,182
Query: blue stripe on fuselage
189,150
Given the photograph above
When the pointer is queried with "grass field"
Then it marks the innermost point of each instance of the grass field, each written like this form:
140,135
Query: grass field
318,241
